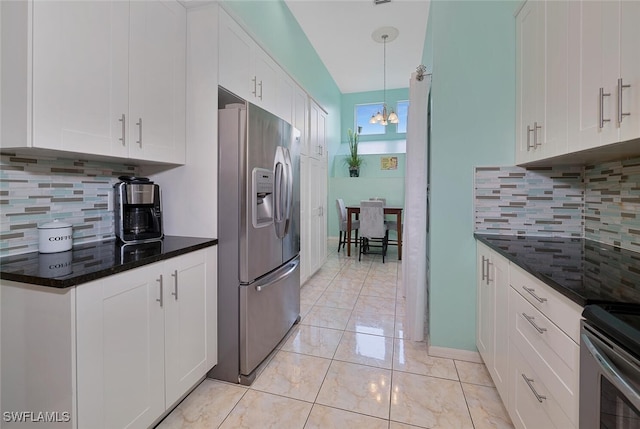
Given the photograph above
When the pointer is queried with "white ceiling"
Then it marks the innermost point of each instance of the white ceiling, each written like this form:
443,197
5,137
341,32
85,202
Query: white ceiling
340,31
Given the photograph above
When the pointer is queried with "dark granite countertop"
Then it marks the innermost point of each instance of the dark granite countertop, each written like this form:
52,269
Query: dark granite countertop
92,261
583,270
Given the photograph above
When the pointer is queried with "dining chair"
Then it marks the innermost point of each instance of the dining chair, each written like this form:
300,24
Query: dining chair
372,227
392,225
342,221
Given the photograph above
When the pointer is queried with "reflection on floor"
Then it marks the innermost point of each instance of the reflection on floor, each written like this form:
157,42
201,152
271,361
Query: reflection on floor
346,365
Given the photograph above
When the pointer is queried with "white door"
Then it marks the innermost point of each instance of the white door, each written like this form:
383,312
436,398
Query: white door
556,86
314,115
305,219
80,76
630,70
235,65
530,79
266,75
486,298
593,98
120,350
286,98
157,81
185,322
500,278
301,118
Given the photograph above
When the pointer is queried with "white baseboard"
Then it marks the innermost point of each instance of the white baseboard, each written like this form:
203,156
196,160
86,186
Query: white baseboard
457,354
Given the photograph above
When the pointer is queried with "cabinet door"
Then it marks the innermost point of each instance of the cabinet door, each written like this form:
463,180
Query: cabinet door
499,276
555,129
530,78
314,117
318,223
305,230
301,118
157,81
630,69
486,299
80,76
186,290
236,66
286,98
322,134
266,75
120,350
594,69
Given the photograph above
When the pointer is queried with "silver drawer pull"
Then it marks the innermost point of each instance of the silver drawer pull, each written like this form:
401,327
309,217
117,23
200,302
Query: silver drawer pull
175,292
529,382
531,319
532,292
484,276
160,300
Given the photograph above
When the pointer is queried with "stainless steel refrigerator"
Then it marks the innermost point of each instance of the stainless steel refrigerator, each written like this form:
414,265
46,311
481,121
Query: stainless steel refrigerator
258,236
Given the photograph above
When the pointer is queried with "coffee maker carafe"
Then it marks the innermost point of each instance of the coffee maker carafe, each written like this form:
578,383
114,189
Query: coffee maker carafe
138,214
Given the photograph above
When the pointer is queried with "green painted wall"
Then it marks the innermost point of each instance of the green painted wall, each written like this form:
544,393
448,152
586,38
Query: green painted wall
473,105
273,25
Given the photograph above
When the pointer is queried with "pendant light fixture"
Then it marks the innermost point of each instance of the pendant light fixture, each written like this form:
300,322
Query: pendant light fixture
384,35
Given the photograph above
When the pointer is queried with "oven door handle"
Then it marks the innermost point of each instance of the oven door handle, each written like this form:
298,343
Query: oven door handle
610,371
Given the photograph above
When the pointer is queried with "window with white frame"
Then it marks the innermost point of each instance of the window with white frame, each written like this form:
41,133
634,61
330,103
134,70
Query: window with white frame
402,110
363,113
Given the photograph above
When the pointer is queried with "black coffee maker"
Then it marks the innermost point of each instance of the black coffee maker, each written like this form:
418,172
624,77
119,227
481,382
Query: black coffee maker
138,213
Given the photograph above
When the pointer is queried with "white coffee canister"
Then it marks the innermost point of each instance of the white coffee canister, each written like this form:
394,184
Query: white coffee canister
55,237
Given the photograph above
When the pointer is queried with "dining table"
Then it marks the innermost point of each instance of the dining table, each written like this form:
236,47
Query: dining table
355,210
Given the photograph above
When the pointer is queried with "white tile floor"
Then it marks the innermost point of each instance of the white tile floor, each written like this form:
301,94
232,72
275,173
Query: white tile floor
346,365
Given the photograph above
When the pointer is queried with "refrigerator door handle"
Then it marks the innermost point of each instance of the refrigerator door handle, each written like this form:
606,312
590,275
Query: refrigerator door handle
278,275
277,190
289,170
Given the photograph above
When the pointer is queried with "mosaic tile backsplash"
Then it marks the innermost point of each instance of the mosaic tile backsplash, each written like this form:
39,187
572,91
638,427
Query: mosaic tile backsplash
36,190
612,203
599,202
536,201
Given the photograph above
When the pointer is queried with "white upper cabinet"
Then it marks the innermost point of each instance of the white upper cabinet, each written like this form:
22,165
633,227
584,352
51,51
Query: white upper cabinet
301,118
605,84
542,74
317,146
629,96
157,87
80,76
595,63
110,84
530,79
578,76
244,68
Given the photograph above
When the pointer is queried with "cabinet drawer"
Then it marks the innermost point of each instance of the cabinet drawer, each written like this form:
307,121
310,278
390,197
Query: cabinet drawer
548,350
564,312
528,410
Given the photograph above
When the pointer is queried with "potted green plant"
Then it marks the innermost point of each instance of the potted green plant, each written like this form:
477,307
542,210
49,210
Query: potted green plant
354,160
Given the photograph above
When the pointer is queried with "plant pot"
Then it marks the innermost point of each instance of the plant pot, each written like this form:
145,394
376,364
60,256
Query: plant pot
354,172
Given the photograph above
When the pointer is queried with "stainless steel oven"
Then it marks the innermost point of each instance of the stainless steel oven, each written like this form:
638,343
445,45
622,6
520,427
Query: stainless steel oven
610,367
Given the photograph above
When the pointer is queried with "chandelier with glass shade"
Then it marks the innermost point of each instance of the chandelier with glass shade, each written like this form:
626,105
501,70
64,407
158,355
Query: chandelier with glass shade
384,35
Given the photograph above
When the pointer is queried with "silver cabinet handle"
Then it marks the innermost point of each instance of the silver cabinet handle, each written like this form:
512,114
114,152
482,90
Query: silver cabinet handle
601,96
161,299
124,130
139,124
260,96
489,263
536,127
529,130
255,89
532,292
529,382
531,319
175,288
484,276
621,115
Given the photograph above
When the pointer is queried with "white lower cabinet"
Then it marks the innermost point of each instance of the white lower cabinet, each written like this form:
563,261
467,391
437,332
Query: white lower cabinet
143,340
492,332
528,336
313,199
117,352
